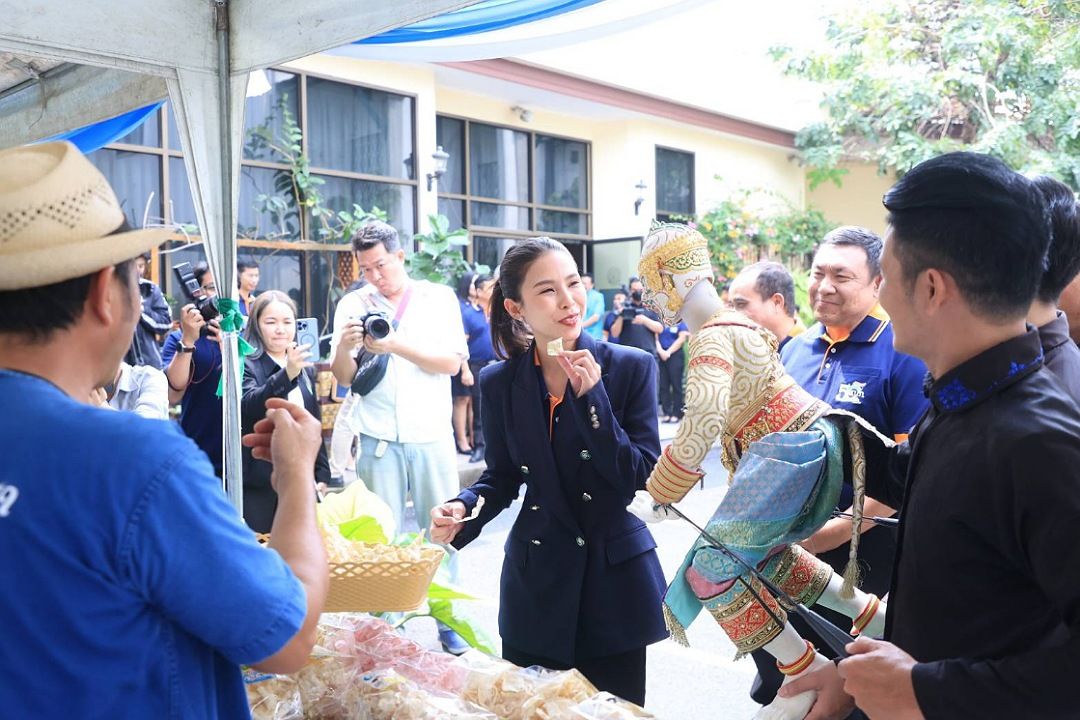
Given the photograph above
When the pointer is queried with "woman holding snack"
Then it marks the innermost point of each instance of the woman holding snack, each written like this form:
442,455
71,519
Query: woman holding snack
277,368
574,419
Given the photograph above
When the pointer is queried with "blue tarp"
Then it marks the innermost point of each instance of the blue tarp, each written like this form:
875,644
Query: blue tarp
92,137
482,17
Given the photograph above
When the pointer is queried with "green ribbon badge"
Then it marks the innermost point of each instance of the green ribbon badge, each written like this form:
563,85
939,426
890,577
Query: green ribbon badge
233,321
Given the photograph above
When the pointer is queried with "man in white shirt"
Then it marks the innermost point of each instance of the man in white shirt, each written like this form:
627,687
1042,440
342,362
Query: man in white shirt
404,421
140,389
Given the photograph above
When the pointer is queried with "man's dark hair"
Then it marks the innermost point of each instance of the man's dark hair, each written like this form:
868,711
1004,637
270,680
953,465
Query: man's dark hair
375,233
858,237
199,271
242,265
587,275
1063,257
633,280
972,217
36,313
773,278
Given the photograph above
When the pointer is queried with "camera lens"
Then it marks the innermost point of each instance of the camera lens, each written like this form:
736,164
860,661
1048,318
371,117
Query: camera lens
376,326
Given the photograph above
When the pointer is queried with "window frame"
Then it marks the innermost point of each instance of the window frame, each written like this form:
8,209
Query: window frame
531,205
664,214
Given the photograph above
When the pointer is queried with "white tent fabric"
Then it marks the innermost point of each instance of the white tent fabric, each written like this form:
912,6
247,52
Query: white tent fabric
203,50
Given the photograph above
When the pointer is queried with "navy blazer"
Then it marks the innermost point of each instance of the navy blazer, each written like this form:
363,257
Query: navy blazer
580,578
264,379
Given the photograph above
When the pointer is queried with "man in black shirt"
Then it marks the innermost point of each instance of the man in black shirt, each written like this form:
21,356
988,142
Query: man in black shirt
637,326
1060,354
984,613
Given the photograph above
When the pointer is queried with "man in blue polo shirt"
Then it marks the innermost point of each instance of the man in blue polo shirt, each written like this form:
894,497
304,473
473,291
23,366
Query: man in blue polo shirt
129,587
847,359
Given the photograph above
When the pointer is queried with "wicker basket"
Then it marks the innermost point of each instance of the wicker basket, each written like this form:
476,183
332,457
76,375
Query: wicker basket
380,586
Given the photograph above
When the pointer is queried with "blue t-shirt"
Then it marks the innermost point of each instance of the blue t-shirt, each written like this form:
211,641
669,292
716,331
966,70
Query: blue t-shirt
200,409
862,373
479,332
594,305
131,587
669,335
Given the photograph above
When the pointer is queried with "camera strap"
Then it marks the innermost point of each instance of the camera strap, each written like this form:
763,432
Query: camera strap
403,305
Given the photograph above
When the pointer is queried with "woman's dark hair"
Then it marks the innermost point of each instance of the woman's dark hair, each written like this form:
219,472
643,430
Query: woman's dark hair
1063,258
510,337
972,217
251,332
465,284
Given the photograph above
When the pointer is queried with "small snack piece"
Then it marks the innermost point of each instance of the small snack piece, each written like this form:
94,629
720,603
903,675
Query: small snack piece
475,511
555,347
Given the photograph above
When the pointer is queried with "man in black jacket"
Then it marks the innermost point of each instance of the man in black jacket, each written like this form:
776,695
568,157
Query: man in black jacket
984,613
155,320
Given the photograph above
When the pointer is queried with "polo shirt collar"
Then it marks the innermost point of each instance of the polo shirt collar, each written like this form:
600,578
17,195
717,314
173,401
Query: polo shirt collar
1055,333
988,373
867,331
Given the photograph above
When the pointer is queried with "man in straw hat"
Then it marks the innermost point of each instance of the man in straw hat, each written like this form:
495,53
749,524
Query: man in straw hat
131,588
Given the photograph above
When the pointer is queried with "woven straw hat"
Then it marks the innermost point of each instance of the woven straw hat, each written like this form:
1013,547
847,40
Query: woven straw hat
56,213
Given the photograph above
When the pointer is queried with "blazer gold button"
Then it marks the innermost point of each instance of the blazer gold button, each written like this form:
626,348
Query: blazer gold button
524,469
586,497
595,425
585,455
581,542
592,409
534,507
535,542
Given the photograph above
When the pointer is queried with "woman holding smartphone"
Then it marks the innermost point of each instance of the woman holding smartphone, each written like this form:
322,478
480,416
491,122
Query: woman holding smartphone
277,368
574,419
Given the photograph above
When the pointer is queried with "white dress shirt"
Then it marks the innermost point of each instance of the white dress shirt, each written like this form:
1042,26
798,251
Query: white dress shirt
143,390
410,405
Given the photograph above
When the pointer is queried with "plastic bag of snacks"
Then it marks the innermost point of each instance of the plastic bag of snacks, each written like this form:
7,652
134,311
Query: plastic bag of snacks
272,697
386,695
436,671
605,706
382,651
328,689
524,693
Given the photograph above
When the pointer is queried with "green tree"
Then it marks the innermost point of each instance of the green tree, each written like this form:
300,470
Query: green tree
916,78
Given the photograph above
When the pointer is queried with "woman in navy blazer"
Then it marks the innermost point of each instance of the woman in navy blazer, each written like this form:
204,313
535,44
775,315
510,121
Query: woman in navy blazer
277,368
581,583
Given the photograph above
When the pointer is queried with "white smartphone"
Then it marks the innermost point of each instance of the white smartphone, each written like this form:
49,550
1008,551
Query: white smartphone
307,333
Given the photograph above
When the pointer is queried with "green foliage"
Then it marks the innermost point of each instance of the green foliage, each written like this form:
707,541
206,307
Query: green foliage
438,256
916,78
740,232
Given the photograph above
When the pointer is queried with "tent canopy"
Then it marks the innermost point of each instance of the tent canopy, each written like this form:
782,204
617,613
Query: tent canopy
95,60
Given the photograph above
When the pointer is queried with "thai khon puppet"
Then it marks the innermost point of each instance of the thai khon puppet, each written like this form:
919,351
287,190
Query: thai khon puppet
785,452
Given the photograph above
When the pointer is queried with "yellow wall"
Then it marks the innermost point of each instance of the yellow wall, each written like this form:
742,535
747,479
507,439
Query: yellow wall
857,201
623,154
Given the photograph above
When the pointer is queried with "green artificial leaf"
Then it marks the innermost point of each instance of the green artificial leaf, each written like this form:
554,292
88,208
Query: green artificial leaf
443,611
363,529
437,591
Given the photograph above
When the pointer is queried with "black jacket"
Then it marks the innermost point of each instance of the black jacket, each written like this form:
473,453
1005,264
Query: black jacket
581,578
155,320
1060,355
263,379
985,591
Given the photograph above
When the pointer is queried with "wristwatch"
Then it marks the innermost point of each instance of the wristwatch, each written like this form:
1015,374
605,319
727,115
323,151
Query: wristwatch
185,349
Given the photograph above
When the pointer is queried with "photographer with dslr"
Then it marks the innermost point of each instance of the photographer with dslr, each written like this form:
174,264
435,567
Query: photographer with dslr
637,326
192,358
407,356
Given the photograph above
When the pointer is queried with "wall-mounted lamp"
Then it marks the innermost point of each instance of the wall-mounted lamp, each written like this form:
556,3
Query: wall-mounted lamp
640,187
441,157
523,113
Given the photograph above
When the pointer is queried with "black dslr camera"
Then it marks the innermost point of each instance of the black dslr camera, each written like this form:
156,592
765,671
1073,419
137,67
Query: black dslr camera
206,305
376,324
629,312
